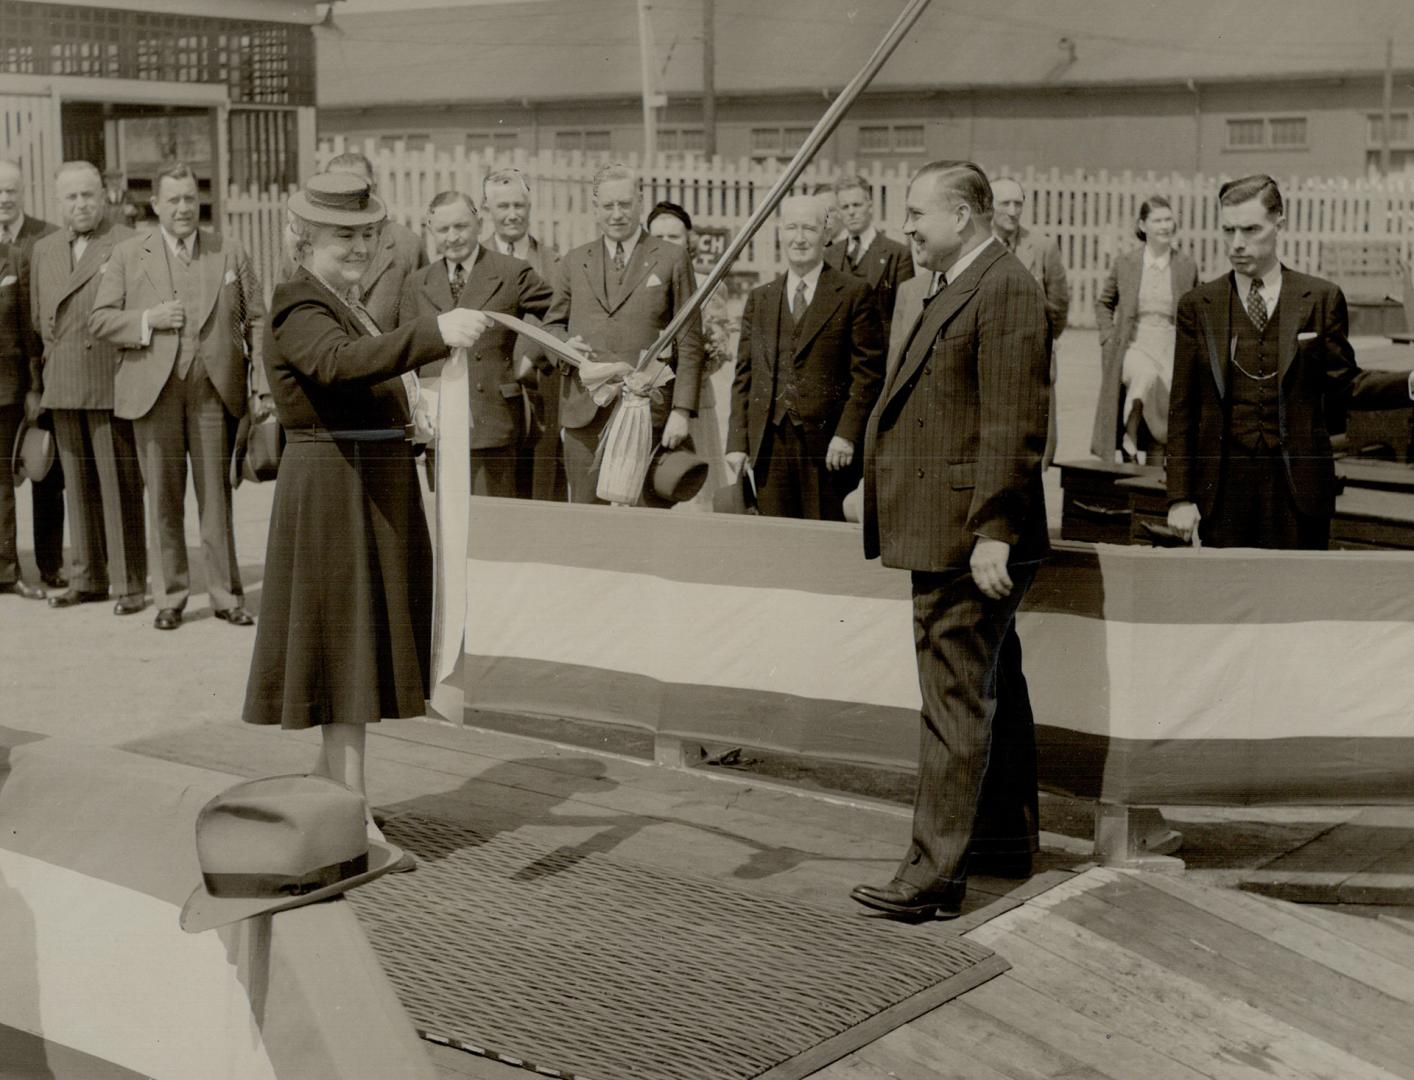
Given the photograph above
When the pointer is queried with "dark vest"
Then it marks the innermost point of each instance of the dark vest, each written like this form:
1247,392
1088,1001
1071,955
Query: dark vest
787,407
1255,423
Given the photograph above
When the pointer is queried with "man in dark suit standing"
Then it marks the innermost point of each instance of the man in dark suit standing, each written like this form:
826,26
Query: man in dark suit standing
809,365
506,201
617,293
469,274
1262,367
184,306
96,448
952,492
866,252
21,353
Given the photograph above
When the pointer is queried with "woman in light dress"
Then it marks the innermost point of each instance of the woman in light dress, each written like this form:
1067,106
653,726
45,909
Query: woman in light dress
669,221
1135,314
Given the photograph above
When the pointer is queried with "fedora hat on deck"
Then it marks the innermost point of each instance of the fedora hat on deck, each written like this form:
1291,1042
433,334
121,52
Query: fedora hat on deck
676,475
278,843
338,199
32,455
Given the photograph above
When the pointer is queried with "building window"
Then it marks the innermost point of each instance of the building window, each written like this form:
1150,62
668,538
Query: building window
1267,133
590,142
1400,131
777,141
416,142
891,138
680,140
498,141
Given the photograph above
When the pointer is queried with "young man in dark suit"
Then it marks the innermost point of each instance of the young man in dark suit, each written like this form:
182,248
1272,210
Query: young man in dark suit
952,492
471,275
21,352
1262,366
866,252
617,293
809,365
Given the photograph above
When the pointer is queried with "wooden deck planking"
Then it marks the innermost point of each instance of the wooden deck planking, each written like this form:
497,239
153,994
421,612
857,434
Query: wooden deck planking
1368,859
907,1053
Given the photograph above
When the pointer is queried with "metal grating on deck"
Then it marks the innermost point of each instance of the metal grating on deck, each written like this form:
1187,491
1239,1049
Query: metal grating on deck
594,967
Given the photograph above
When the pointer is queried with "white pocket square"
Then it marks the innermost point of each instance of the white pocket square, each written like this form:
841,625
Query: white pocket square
653,282
5,282
1307,335
230,277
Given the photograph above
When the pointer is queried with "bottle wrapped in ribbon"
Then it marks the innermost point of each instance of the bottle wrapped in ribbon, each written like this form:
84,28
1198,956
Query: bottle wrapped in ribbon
626,447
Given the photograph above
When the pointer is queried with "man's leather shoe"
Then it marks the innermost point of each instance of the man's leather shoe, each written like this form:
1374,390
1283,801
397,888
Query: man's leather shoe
130,604
236,616
54,581
25,589
77,596
169,618
900,900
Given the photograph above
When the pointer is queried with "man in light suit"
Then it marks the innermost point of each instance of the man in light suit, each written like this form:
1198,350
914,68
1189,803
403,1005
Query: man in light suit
184,306
20,352
400,251
1262,367
809,365
952,492
617,293
506,201
96,448
866,252
1041,256
469,274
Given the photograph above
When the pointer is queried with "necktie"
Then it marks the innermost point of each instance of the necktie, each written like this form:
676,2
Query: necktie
934,289
797,301
507,248
619,261
853,252
458,280
80,245
184,252
1256,305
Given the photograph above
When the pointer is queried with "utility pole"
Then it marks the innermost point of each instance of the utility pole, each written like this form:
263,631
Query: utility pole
709,78
650,95
1388,119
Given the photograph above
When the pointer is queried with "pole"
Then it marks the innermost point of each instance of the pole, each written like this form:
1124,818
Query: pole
823,130
1388,119
709,78
645,56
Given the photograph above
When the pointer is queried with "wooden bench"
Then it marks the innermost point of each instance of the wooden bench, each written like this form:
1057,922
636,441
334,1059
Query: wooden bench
1373,277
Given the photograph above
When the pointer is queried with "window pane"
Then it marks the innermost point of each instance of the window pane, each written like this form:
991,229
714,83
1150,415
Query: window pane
793,138
765,140
1245,132
569,140
1289,131
668,140
596,142
874,139
692,140
908,137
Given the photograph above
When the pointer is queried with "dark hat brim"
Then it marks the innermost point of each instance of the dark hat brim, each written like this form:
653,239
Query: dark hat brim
202,911
324,215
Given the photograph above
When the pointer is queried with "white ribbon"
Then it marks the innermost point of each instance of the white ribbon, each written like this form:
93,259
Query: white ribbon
453,500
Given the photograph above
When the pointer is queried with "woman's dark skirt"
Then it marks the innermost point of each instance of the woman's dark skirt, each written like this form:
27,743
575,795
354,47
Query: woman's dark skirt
345,629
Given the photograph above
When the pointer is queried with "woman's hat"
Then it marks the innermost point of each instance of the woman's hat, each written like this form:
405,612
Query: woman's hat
676,475
279,843
337,198
33,453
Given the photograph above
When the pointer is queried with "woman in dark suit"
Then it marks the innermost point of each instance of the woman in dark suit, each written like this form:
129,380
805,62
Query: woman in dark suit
344,637
1135,313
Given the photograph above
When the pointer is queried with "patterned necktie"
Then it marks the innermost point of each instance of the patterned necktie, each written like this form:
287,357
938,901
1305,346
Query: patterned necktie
619,260
507,248
938,282
853,253
1257,305
458,280
797,301
183,252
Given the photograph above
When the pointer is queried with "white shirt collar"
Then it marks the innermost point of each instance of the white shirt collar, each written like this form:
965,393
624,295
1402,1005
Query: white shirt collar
811,279
173,244
467,263
629,245
866,238
1271,287
955,270
520,249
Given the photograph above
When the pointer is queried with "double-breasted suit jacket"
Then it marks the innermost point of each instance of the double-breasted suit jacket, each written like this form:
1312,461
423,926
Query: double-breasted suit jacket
838,362
620,322
1116,313
21,350
1317,381
953,447
885,265
495,282
79,367
138,278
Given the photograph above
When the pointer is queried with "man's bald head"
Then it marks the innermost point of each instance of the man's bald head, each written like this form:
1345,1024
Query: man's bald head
802,231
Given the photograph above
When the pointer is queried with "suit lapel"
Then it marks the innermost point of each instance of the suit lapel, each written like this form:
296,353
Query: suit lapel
94,256
438,287
1217,330
639,264
481,283
1293,306
154,265
834,255
822,305
212,264
875,260
772,300
594,271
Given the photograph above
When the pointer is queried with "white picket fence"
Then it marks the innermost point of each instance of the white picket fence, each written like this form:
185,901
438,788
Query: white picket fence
1091,215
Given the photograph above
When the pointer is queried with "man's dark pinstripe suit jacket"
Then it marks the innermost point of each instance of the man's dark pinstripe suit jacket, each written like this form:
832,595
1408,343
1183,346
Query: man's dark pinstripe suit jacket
953,448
